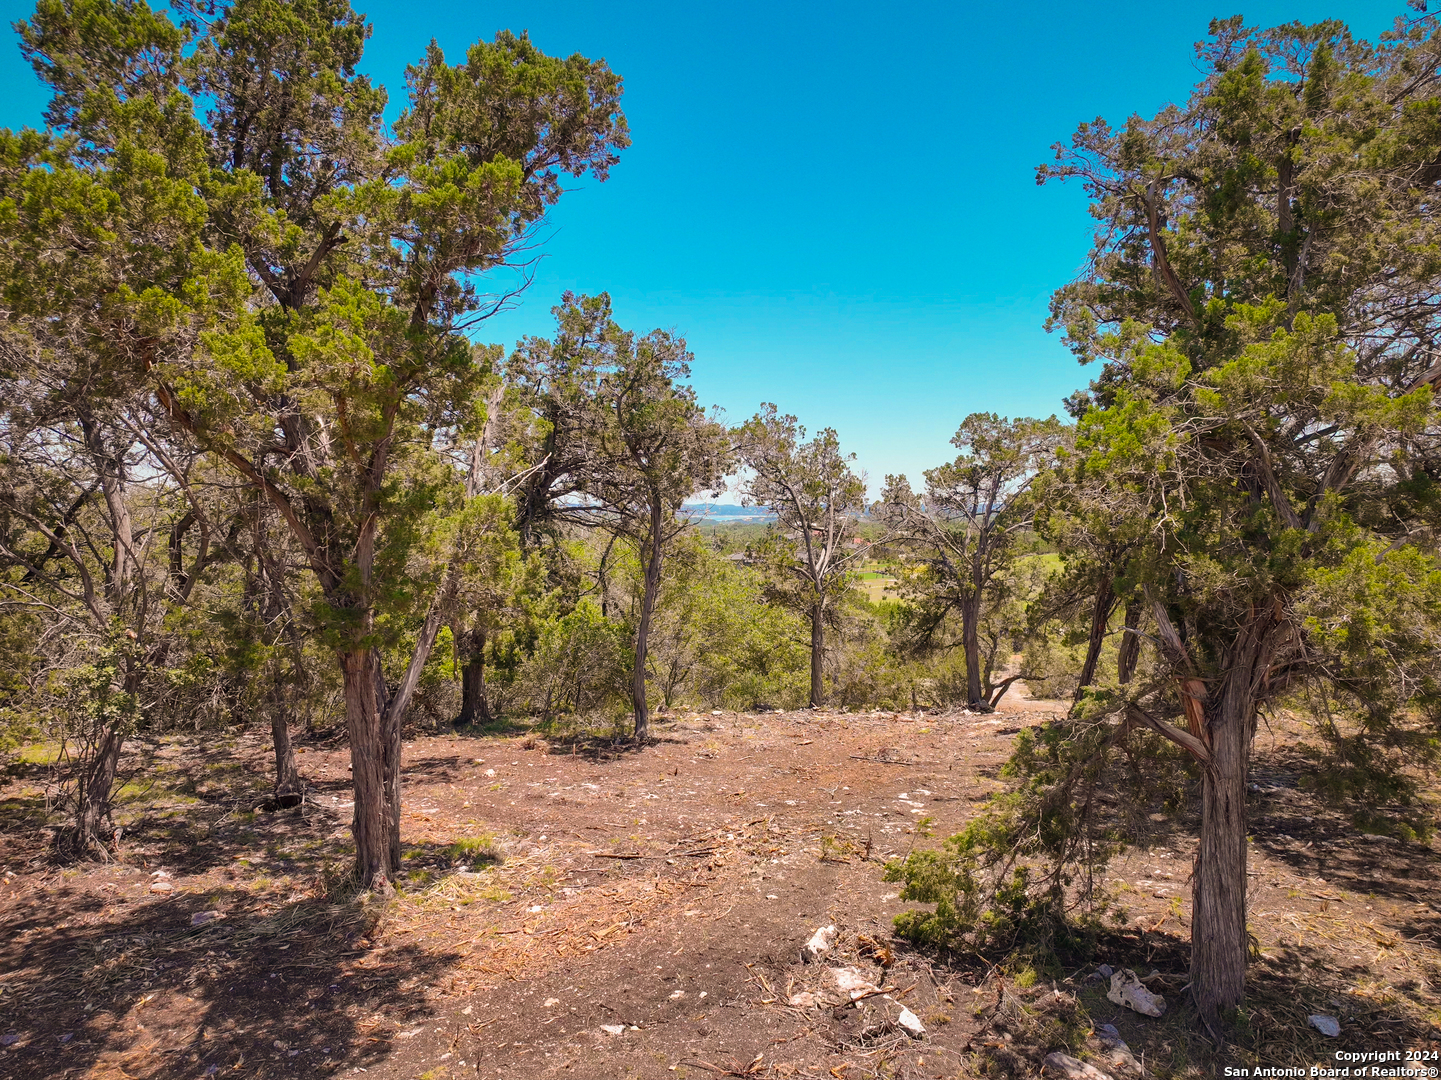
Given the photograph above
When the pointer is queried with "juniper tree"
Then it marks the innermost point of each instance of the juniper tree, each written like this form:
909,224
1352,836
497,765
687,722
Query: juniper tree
965,530
1263,297
648,446
311,335
818,499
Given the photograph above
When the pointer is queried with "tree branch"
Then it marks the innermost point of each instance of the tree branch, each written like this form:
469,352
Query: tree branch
1197,749
1158,254
1279,502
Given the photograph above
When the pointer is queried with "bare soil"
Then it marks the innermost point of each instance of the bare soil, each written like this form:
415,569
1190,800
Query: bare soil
640,913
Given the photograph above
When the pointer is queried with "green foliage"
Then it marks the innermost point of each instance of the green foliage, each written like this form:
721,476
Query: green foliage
1023,880
288,284
1246,476
817,497
478,850
864,669
969,577
995,912
580,666
19,722
718,641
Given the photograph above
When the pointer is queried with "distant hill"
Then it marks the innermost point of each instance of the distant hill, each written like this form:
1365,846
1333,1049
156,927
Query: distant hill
725,513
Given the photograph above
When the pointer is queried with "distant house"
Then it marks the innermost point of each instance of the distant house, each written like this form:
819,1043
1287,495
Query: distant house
740,558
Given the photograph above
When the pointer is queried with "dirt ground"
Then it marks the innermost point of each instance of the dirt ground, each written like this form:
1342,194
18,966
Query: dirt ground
597,911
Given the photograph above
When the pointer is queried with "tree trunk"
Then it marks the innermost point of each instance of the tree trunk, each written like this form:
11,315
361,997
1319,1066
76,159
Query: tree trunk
392,714
642,634
971,643
818,653
373,819
1129,650
391,709
1101,610
1218,925
93,799
266,589
473,707
288,789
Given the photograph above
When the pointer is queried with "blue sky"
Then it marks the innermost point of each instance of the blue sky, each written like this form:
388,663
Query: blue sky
835,204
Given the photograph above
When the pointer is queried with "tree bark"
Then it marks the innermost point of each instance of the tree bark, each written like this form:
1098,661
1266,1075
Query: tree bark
372,822
818,653
971,644
473,706
288,789
93,799
1101,610
1218,926
1129,650
392,713
642,633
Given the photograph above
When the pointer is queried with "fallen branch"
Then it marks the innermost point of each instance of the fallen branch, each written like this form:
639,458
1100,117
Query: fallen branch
861,995
736,1070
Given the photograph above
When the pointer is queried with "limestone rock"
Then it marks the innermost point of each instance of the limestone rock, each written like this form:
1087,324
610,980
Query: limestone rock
910,1023
1108,1045
819,944
1326,1025
1129,991
852,980
1072,1068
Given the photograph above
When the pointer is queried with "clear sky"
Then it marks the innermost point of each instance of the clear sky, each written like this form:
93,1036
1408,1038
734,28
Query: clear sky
834,203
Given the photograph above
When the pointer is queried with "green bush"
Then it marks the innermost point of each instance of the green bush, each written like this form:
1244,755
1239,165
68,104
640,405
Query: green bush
984,904
716,640
580,665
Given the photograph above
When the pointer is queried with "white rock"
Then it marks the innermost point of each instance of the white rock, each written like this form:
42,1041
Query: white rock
200,918
1129,991
1072,1068
162,886
911,1022
1326,1025
804,1000
819,944
613,1029
852,980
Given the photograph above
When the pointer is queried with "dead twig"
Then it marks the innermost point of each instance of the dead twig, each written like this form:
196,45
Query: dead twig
736,1069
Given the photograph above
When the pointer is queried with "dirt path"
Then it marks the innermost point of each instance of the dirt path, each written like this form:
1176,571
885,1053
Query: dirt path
645,919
